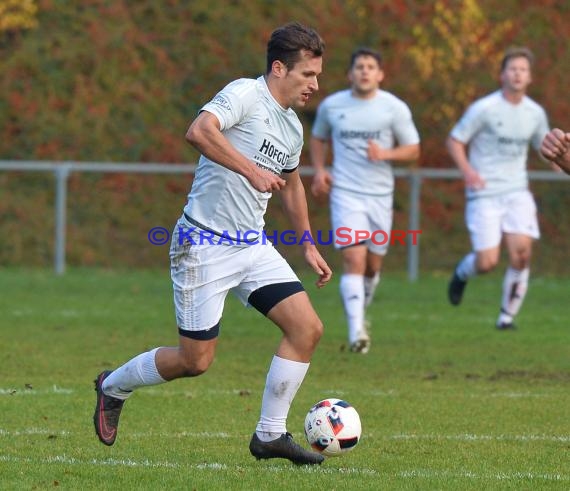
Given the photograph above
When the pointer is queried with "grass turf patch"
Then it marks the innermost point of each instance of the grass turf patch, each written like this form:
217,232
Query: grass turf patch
446,401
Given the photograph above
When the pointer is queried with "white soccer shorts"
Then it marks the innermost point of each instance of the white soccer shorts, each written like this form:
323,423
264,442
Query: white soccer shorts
488,218
202,275
361,212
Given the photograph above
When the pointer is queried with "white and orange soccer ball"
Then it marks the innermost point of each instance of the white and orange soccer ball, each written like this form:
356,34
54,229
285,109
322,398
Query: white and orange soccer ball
332,427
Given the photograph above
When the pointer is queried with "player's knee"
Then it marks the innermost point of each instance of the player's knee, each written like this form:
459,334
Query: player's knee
487,264
521,260
486,267
315,331
193,367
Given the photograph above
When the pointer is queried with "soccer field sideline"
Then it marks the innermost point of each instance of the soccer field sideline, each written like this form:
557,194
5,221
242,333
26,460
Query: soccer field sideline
412,474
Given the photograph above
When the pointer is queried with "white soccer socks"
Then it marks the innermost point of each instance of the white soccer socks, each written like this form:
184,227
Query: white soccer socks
467,267
283,380
515,285
137,372
352,292
370,284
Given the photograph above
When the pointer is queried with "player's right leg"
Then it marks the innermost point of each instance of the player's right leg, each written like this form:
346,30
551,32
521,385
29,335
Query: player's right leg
472,264
483,219
115,387
198,330
190,359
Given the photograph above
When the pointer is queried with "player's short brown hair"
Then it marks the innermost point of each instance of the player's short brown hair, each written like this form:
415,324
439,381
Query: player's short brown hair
287,42
517,52
365,51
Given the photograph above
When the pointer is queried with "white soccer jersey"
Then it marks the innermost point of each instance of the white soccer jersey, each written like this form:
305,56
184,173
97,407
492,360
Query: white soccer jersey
498,134
262,130
351,122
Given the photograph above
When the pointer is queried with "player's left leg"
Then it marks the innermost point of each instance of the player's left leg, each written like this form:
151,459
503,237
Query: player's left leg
520,226
371,281
271,287
515,283
379,216
372,276
302,330
301,327
350,211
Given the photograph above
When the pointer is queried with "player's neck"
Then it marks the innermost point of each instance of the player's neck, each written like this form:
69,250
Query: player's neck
512,96
368,94
275,92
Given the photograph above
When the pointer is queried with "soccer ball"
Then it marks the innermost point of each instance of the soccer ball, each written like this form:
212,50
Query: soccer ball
332,427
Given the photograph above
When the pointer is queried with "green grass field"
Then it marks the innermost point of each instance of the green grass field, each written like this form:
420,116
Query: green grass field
446,401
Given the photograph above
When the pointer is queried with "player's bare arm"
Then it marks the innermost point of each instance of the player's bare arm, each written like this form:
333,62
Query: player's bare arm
458,152
556,148
294,203
400,153
205,135
322,180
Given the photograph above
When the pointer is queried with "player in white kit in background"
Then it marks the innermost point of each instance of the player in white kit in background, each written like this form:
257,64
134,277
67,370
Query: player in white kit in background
489,145
250,140
368,128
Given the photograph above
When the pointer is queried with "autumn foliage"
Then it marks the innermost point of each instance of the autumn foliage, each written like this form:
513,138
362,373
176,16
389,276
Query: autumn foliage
120,80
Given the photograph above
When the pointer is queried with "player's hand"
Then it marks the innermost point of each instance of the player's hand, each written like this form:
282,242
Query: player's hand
376,152
555,144
265,181
321,185
319,265
473,180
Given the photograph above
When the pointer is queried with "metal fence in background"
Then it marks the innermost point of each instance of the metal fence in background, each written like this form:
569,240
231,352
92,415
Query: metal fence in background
62,170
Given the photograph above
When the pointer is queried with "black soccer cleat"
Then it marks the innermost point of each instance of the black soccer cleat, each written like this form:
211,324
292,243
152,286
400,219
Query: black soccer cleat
107,412
506,326
283,448
455,289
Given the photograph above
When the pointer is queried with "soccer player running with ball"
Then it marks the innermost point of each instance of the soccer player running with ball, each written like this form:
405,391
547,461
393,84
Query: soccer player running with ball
489,145
368,129
250,140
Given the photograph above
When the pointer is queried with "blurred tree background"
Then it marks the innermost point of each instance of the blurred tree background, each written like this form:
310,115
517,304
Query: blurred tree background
120,80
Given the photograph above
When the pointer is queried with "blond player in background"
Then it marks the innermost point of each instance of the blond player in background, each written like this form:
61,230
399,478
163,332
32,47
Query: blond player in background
489,145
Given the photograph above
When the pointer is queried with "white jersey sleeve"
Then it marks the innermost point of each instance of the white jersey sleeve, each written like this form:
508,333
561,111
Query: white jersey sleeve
321,126
404,128
470,123
232,104
541,130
